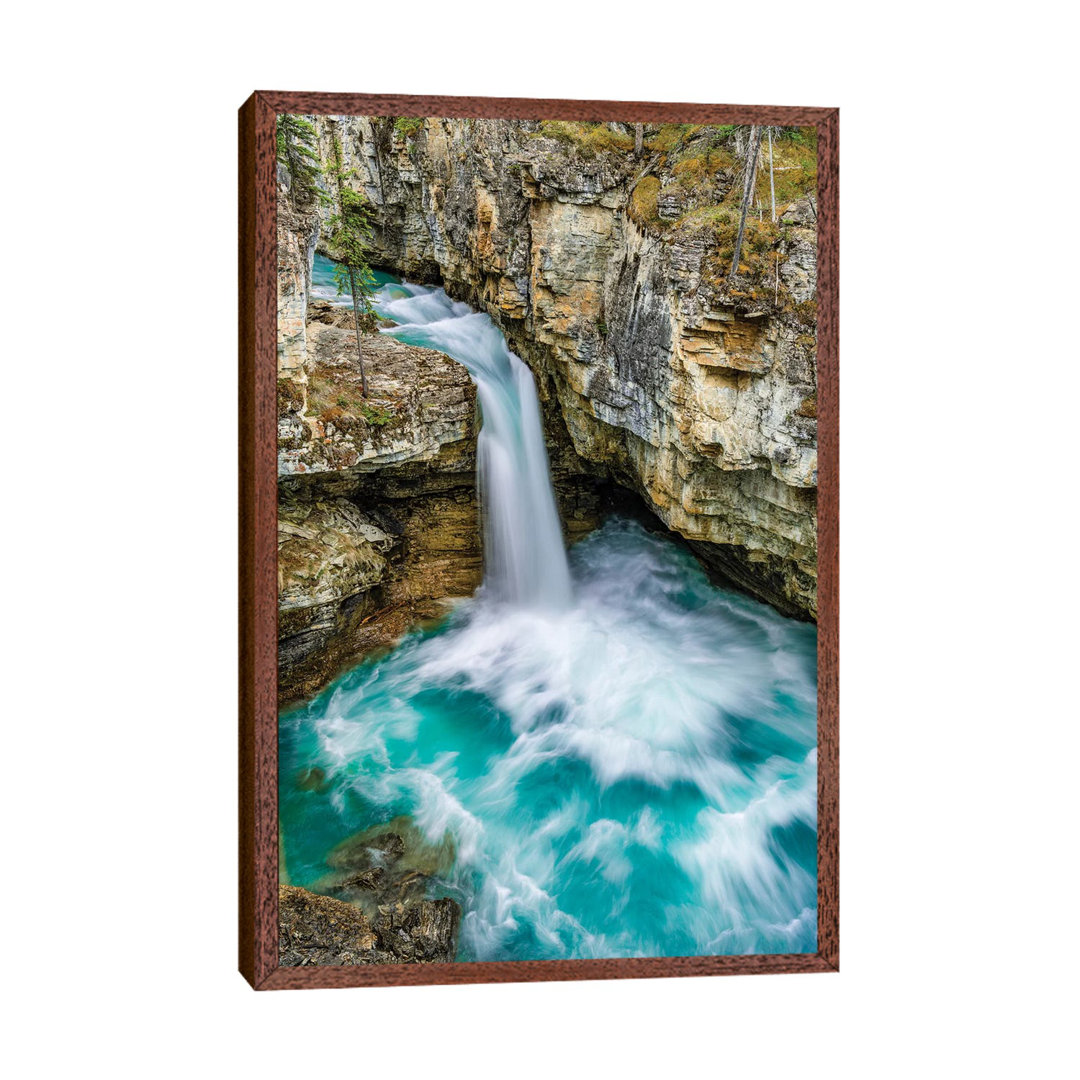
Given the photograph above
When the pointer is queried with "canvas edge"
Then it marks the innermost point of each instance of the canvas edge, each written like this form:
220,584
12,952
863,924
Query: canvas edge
315,103
462,973
829,539
257,833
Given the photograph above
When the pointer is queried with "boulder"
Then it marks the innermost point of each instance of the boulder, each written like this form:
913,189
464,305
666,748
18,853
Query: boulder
314,929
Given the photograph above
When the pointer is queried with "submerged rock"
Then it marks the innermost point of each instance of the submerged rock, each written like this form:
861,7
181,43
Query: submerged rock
312,779
387,864
314,929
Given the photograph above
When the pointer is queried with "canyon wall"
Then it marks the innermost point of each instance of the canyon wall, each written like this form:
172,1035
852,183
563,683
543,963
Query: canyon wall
608,273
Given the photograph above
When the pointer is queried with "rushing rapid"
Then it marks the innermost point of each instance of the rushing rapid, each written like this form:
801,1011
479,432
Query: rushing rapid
622,754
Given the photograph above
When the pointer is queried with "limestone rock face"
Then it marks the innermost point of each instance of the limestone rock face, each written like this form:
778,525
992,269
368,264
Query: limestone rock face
603,273
333,563
365,557
298,230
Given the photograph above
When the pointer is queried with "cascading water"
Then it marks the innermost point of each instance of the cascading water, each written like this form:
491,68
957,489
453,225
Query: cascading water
524,558
626,770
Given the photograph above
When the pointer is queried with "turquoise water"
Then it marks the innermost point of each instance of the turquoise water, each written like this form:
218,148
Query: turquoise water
324,284
622,754
635,776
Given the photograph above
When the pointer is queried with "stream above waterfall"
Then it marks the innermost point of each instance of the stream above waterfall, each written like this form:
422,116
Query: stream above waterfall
619,756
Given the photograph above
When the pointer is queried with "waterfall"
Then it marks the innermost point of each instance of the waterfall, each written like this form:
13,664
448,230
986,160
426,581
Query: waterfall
630,774
524,558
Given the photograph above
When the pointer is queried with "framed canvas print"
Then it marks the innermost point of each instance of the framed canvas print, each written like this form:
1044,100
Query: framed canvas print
538,554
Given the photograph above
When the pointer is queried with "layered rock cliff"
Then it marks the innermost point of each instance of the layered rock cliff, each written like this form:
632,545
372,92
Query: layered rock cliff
607,271
377,514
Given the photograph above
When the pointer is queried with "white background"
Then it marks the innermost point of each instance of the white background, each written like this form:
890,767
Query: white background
959,399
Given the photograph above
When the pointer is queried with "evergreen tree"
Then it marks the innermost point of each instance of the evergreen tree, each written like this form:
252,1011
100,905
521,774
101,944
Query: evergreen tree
297,150
350,232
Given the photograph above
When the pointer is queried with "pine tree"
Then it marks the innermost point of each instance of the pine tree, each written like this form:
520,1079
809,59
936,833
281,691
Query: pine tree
297,151
350,233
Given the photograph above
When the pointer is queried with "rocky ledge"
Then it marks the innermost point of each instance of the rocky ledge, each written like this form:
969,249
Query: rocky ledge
420,407
314,929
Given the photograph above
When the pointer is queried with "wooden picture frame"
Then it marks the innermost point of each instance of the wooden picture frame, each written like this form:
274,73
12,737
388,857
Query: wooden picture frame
258,806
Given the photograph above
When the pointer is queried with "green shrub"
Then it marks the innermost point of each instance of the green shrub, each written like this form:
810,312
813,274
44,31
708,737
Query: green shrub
377,415
587,138
408,126
643,201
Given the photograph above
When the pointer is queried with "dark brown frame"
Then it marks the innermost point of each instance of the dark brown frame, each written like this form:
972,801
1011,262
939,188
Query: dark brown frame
258,929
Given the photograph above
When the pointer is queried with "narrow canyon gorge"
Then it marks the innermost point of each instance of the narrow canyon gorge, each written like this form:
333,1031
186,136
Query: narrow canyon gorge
661,384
